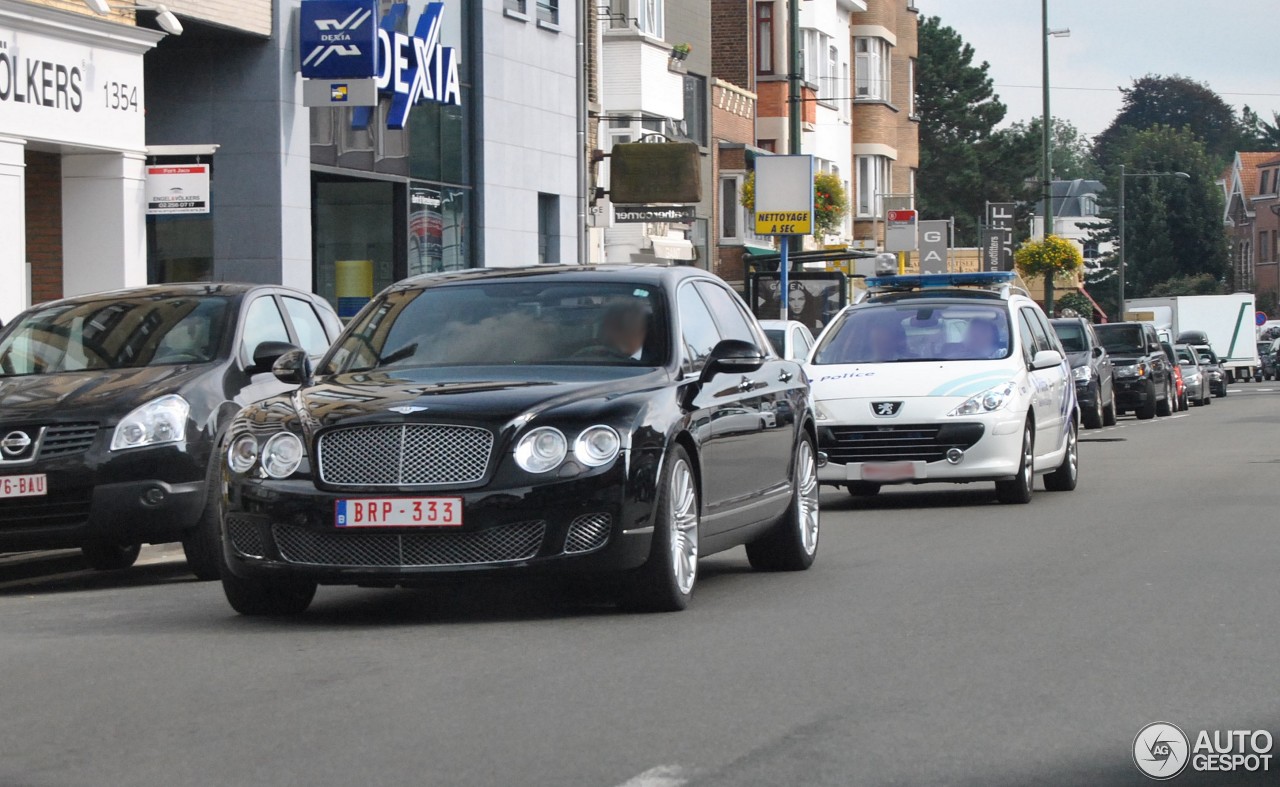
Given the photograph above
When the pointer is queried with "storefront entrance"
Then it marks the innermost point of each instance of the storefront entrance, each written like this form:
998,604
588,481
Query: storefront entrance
358,232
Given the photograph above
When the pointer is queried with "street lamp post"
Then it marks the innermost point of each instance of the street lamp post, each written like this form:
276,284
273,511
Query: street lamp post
1120,210
1047,144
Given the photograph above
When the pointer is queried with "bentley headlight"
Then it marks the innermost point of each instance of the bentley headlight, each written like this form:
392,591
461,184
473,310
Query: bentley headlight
988,401
1082,373
157,422
242,454
281,455
541,450
597,446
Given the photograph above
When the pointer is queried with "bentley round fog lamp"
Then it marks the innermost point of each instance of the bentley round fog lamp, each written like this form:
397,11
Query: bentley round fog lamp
597,446
541,450
242,454
281,455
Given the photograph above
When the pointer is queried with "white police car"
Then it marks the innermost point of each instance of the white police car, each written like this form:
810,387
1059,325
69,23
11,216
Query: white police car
946,377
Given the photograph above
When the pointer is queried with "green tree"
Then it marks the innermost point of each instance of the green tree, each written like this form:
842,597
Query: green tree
964,160
1260,134
1177,102
1173,225
1074,303
1196,284
1072,151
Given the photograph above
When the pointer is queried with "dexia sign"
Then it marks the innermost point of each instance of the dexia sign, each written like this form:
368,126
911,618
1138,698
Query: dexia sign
338,40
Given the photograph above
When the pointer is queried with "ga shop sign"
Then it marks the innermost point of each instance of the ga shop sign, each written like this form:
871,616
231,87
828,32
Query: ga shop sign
412,69
70,91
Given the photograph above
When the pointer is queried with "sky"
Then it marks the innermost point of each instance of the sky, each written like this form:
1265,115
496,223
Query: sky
1227,44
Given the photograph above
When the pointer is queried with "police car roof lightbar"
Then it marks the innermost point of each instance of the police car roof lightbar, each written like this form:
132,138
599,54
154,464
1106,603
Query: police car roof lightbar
929,281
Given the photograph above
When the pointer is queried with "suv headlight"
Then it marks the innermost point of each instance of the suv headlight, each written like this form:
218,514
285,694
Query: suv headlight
597,446
1083,373
988,401
157,422
541,450
1132,370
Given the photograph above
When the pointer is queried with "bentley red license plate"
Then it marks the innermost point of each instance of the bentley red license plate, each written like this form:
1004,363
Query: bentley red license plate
399,512
23,485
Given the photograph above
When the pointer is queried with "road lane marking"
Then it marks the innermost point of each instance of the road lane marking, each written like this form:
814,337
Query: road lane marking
660,776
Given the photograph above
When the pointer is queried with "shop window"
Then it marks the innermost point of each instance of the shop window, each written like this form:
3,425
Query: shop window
354,232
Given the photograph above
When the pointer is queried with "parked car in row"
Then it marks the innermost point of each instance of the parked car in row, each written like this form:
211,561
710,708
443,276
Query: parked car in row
112,405
946,377
1267,362
1212,367
1091,369
1179,384
1194,375
620,421
1143,373
791,339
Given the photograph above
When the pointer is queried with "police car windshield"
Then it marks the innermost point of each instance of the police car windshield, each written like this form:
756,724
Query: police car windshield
906,332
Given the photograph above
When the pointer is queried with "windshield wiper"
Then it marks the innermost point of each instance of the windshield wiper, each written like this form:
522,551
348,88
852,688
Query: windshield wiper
406,351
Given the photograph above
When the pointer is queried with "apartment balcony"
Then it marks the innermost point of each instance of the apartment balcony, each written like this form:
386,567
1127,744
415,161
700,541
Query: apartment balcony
639,74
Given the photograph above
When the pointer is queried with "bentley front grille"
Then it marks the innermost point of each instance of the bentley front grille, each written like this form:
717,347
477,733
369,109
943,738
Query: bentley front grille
404,455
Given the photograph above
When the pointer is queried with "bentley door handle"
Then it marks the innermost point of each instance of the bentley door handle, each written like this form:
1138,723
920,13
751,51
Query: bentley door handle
784,376
746,385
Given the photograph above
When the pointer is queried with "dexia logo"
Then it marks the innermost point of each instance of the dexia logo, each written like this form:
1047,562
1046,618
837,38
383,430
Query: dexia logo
413,68
337,37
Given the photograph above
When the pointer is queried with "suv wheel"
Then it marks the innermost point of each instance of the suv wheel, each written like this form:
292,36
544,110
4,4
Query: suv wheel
1148,409
1169,403
1094,416
1019,489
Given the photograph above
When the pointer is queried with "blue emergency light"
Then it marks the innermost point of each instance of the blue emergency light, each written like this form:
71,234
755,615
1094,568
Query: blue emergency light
933,281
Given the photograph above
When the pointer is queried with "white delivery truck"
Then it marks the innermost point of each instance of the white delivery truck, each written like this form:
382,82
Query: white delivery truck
1228,320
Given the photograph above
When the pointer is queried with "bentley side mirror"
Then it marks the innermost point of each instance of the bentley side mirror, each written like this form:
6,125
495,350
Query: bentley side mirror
293,367
732,356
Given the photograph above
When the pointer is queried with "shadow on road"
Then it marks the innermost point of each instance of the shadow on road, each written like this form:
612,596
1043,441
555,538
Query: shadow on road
910,496
59,574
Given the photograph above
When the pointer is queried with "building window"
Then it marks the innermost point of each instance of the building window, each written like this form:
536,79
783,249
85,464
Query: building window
1090,251
1263,247
815,62
911,87
731,212
770,145
1263,186
873,185
695,108
911,184
548,228
871,67
632,129
643,15
516,6
549,11
764,38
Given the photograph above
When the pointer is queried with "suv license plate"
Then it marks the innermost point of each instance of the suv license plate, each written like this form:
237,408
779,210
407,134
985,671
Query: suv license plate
399,512
33,485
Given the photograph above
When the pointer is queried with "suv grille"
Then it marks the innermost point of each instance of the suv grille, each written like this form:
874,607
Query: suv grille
898,443
67,439
404,455
502,544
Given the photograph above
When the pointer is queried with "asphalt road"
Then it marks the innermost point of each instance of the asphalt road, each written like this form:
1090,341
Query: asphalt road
941,638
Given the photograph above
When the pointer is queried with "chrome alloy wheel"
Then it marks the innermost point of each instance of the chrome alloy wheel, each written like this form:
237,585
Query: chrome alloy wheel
807,499
683,497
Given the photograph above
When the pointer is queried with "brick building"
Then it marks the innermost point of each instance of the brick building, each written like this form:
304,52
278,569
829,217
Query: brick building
886,138
1249,182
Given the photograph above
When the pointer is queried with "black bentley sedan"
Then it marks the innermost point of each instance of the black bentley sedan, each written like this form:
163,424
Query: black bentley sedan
111,405
623,420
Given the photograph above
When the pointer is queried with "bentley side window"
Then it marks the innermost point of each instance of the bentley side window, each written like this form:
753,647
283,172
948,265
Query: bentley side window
697,329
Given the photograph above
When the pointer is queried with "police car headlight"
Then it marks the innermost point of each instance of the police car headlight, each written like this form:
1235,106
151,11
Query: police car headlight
988,401
157,422
1082,373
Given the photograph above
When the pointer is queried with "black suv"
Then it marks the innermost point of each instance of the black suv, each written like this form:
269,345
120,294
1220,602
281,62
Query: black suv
1090,368
1143,375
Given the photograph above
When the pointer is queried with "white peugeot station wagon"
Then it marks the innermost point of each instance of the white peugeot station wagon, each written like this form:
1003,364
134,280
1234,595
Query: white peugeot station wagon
945,377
